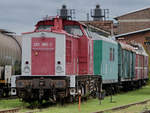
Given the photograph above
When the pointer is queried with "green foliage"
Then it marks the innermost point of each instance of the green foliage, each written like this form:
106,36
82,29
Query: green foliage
92,105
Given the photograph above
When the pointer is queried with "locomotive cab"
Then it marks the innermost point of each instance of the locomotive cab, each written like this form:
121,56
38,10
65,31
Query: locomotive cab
62,38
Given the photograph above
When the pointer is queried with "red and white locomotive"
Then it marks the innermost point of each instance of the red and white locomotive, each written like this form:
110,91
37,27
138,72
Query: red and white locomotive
57,62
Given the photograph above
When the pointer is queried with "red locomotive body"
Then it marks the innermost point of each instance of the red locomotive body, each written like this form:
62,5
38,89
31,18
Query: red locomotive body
141,65
145,68
57,61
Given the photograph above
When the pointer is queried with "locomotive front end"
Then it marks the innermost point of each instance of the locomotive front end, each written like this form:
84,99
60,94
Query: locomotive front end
43,65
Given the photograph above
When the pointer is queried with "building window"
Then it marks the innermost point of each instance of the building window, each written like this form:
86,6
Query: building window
147,41
147,38
68,51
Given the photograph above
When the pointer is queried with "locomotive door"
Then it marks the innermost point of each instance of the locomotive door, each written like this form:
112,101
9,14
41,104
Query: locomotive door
43,56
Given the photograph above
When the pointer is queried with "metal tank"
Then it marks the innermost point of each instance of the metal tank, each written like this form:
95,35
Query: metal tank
10,52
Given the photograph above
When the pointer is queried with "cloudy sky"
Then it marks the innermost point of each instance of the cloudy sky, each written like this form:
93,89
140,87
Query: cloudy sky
21,15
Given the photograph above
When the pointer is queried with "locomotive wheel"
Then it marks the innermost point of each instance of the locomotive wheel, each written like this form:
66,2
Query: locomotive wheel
62,101
54,98
117,89
1,93
40,101
7,93
82,91
70,99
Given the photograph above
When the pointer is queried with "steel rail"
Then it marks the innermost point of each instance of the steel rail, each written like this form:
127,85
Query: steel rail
123,107
15,110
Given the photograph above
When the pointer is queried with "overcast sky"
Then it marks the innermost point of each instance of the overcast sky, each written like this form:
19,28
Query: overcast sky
21,15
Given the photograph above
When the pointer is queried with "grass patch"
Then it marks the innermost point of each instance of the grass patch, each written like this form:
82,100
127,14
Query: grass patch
11,103
92,105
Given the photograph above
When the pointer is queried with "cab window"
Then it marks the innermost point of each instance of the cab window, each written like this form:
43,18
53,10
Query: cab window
87,32
45,27
73,29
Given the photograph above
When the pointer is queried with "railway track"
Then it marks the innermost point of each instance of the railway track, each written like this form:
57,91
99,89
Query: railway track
124,107
7,98
15,110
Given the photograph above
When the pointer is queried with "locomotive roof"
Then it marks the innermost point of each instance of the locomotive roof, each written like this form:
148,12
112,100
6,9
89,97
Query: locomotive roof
100,37
127,47
50,21
140,50
65,22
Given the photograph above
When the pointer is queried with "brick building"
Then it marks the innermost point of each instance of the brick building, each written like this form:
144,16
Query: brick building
134,21
134,26
140,36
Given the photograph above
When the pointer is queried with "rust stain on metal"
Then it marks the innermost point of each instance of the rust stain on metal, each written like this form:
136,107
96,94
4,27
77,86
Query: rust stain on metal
2,81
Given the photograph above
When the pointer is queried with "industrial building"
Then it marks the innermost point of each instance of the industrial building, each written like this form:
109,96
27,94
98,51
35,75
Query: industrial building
133,21
134,27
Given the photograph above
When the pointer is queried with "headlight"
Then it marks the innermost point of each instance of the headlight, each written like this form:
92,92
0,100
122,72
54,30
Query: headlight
59,68
42,83
26,69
